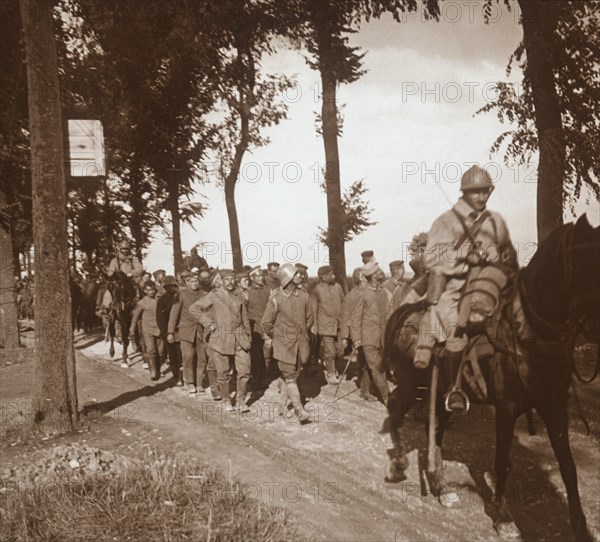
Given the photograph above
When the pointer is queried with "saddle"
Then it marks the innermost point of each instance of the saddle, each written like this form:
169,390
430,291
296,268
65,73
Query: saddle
487,300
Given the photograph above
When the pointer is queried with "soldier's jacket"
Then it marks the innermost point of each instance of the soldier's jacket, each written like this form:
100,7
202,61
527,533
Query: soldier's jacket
164,305
347,307
327,300
287,319
130,266
441,253
181,321
368,316
225,318
146,310
258,297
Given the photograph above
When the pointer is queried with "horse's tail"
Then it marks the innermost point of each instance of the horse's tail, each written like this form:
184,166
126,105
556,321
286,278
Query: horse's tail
394,325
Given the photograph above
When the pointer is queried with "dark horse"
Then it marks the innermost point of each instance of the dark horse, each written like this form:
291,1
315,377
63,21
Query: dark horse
559,292
124,295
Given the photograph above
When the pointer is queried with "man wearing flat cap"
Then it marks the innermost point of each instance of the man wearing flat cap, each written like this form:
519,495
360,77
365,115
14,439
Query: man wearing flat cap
327,299
260,351
191,336
272,279
159,277
367,325
243,284
223,314
303,271
163,312
396,285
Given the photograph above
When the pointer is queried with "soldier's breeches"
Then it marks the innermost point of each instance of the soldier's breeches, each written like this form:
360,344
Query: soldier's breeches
207,365
188,349
373,359
154,346
329,350
289,371
242,367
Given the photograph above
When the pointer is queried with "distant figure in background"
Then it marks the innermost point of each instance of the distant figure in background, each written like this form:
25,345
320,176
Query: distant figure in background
367,256
195,260
126,262
272,279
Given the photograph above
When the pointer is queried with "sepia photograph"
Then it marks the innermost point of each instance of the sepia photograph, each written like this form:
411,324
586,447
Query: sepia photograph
300,270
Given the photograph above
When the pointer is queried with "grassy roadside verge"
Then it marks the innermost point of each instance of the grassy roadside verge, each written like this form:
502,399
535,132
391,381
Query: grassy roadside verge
169,499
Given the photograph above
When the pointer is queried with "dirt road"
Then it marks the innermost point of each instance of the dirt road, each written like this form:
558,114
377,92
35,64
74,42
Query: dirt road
330,473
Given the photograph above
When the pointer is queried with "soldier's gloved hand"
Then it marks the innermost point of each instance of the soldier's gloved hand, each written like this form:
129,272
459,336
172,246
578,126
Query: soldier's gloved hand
344,343
475,257
170,338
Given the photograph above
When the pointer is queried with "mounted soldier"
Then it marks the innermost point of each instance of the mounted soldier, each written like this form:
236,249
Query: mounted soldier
461,242
126,262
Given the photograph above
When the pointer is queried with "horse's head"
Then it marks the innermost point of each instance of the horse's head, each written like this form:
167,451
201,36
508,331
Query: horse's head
584,257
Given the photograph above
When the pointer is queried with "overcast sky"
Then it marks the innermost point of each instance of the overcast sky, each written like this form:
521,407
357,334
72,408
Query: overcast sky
409,131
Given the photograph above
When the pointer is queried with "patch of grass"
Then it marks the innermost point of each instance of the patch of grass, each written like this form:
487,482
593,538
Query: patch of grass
171,499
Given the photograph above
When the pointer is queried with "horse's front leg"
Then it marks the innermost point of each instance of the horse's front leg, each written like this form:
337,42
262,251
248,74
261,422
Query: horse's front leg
125,335
438,484
505,427
400,400
554,414
111,334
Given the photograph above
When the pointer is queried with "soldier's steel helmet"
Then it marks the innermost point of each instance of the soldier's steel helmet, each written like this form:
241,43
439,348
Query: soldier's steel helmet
286,273
476,178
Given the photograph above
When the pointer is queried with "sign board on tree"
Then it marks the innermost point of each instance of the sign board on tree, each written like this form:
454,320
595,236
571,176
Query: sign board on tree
86,148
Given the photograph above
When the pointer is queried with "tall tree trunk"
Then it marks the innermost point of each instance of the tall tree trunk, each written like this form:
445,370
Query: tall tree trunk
234,227
246,83
539,23
173,202
9,332
54,395
329,116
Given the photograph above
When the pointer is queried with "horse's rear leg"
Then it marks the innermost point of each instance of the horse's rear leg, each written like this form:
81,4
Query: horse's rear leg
438,484
554,414
400,401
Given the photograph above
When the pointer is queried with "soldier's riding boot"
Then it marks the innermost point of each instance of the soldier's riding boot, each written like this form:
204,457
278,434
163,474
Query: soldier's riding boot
365,386
455,398
294,393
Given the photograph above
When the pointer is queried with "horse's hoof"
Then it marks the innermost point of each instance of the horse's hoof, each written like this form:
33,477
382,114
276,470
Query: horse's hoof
507,530
450,498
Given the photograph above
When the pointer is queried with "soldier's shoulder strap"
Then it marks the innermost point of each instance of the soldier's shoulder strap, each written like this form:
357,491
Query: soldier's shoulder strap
469,233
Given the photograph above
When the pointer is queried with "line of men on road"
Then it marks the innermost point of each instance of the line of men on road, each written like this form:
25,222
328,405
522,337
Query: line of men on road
219,323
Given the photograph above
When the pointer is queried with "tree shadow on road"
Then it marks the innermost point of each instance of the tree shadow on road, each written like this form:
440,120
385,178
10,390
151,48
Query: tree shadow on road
125,398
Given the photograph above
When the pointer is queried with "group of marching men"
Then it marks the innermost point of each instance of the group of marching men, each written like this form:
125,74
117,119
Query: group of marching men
215,324
227,322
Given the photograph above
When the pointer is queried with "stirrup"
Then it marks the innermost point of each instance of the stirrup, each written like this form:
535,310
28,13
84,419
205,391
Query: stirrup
456,400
